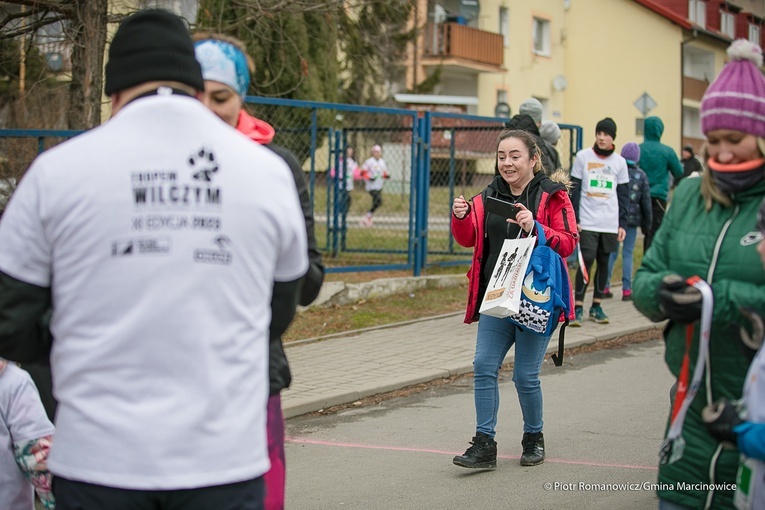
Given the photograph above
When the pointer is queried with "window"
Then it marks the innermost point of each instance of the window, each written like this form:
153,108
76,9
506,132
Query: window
698,64
502,109
541,36
697,12
728,24
754,33
691,123
504,24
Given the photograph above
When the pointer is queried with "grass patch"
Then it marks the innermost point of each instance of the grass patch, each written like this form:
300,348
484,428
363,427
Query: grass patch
319,321
315,322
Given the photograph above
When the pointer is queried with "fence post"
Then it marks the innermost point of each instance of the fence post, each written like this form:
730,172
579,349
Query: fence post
452,179
423,185
333,190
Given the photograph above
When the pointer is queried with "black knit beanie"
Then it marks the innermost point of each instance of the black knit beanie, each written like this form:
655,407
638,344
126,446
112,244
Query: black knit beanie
608,126
151,45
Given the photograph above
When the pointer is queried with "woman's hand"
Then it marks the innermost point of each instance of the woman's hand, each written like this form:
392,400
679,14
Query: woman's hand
523,219
460,207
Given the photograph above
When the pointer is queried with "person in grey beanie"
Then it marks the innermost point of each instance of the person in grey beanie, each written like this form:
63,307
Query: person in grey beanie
534,109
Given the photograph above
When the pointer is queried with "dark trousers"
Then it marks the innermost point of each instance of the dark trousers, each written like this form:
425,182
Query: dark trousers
376,199
345,201
71,495
658,208
596,247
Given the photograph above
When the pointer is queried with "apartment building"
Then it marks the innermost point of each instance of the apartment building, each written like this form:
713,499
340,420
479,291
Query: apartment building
583,59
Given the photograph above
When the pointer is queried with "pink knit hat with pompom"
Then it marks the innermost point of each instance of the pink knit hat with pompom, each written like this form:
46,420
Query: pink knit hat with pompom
736,98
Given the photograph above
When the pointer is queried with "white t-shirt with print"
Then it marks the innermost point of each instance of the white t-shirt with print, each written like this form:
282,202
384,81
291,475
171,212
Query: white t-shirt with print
22,419
599,204
161,233
376,170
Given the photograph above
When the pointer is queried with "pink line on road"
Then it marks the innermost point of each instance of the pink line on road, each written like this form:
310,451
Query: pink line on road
299,440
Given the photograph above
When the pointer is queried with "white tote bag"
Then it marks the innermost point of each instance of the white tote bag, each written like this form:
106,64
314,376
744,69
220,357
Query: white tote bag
503,295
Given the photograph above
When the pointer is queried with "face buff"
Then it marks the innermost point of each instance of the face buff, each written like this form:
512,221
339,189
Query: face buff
732,179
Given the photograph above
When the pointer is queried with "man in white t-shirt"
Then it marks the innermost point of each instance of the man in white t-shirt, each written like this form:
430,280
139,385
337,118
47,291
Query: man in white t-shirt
600,195
160,250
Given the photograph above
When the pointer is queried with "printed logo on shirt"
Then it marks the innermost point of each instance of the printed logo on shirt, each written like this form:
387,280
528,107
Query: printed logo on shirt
172,221
161,188
601,180
219,256
204,160
751,238
141,246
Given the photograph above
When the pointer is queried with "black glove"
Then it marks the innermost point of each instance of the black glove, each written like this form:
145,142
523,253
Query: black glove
720,418
679,301
753,341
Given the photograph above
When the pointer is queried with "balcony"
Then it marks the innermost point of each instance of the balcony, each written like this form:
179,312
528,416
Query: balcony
694,89
456,45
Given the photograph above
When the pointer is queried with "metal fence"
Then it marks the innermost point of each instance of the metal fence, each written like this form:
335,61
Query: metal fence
431,157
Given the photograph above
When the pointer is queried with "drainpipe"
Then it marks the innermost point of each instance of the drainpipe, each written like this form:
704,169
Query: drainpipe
416,39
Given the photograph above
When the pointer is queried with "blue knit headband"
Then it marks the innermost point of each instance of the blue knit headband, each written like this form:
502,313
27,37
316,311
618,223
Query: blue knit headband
225,63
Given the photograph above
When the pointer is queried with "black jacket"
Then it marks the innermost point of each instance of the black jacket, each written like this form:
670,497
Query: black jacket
282,309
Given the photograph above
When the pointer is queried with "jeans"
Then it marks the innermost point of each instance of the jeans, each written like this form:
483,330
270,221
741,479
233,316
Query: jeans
495,337
627,249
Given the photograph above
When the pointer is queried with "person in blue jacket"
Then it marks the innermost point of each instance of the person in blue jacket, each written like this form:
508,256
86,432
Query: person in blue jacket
639,214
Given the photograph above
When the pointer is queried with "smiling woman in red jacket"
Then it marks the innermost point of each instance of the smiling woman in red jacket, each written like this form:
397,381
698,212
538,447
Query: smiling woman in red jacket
518,180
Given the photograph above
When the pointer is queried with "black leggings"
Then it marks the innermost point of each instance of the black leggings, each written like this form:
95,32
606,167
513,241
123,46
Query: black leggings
596,247
658,208
376,199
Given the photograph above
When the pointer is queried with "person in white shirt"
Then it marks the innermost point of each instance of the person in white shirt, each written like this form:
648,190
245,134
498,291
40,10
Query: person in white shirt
600,195
160,250
374,171
25,438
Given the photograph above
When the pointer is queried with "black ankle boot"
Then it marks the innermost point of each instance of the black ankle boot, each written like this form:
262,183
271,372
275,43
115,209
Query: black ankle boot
533,449
482,455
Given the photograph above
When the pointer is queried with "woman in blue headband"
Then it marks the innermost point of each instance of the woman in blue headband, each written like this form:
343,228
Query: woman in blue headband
226,70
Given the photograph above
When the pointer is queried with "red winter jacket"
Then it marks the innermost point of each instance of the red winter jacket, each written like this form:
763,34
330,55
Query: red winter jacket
555,213
258,130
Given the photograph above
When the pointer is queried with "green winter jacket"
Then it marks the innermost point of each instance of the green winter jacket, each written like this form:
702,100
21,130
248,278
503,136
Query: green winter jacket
657,159
687,244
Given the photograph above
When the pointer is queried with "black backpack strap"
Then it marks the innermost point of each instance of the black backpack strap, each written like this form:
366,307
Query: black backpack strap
558,357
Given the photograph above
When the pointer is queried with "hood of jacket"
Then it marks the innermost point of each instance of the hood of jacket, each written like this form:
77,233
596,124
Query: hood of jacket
523,122
653,129
256,129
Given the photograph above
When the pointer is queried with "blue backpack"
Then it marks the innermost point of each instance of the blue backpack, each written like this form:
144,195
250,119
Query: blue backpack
546,293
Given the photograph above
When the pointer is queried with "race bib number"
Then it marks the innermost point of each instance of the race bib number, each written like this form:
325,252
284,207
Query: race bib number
601,184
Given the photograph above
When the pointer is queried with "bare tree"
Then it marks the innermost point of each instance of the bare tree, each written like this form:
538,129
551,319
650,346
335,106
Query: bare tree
84,23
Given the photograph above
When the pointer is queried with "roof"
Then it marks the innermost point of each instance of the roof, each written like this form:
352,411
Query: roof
666,13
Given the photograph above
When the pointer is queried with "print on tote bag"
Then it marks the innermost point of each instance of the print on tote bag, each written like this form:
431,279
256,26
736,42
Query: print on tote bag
503,295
